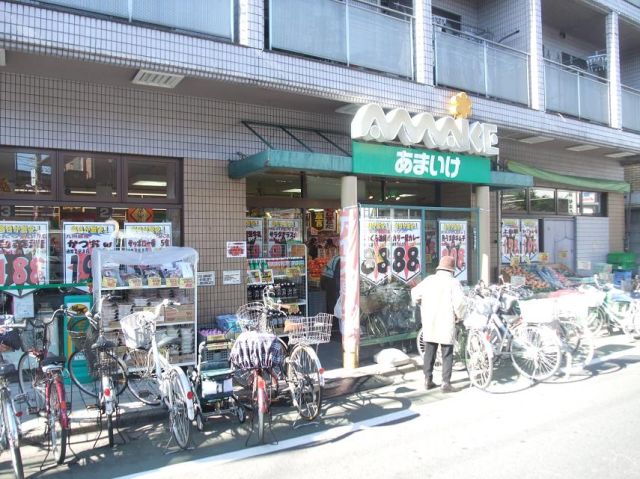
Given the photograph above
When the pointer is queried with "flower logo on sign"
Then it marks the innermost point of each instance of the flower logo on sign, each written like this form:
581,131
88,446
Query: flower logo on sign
460,106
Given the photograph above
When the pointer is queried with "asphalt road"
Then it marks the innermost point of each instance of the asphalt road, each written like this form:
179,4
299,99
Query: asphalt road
583,426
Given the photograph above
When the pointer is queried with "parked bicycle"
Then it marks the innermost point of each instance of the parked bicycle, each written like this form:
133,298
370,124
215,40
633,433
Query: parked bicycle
40,376
94,367
615,309
10,433
152,378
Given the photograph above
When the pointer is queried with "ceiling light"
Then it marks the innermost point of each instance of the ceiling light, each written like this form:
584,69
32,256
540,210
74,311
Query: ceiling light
162,80
292,190
582,148
405,195
621,154
532,140
150,183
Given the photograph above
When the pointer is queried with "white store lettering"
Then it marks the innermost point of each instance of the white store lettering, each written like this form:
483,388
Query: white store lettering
370,123
421,164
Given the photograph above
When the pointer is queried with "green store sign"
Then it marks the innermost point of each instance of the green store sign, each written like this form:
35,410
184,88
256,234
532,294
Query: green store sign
381,160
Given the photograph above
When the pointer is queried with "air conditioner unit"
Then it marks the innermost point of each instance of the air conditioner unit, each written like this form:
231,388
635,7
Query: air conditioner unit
157,79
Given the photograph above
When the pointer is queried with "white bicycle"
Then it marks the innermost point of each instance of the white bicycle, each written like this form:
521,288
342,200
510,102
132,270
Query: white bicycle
151,378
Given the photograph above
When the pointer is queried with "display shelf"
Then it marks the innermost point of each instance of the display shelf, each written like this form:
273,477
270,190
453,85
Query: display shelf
116,270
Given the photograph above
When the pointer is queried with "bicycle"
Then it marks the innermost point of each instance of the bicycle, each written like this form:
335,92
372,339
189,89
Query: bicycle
150,375
10,432
107,373
615,309
40,378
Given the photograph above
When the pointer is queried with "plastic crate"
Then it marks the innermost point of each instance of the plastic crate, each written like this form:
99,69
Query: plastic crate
620,276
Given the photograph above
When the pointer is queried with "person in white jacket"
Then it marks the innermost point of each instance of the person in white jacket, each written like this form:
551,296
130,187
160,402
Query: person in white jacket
442,304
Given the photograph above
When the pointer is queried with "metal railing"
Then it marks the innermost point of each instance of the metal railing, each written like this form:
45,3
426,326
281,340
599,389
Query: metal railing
576,92
350,32
211,17
474,64
630,108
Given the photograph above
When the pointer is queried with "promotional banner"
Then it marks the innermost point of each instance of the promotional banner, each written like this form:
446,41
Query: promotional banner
280,232
147,236
510,239
375,242
406,245
530,240
430,243
79,240
254,237
348,306
453,242
24,254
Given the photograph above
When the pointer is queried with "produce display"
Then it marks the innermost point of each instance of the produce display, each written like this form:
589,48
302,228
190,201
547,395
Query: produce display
540,277
316,267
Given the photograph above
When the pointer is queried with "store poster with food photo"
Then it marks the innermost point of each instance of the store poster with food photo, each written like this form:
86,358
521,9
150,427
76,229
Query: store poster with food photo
406,246
80,238
453,242
147,236
280,233
530,240
510,239
254,228
24,254
375,243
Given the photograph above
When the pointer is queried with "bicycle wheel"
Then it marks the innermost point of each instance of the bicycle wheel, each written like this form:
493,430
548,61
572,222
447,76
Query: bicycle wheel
458,354
178,416
141,376
420,343
595,320
579,342
10,429
31,381
89,381
260,403
535,351
56,429
479,359
303,376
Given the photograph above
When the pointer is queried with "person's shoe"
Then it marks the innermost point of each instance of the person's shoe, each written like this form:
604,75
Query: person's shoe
430,385
448,388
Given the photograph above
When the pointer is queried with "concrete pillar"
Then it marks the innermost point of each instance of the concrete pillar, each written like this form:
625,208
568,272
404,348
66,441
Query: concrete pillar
613,69
483,200
349,272
251,24
536,56
425,54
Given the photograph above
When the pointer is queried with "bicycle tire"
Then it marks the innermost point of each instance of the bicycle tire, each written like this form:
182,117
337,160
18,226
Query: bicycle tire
579,342
303,376
31,381
596,319
141,376
420,343
180,424
16,457
459,362
57,430
479,360
93,388
261,406
535,351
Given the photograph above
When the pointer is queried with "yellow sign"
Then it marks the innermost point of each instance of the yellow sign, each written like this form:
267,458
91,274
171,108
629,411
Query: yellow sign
154,281
563,254
460,106
543,257
173,282
515,261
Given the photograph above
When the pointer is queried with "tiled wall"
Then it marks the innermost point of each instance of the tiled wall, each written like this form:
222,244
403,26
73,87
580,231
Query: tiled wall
616,211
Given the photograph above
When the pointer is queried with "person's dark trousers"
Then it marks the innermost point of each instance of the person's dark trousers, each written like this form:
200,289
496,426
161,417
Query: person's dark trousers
430,359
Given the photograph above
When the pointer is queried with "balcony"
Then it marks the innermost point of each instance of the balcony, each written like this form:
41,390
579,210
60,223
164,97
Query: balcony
348,32
630,108
576,92
210,17
474,64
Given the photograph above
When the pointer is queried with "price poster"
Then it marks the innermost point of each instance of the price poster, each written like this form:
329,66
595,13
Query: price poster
147,236
530,239
254,237
317,219
431,244
280,232
510,239
375,243
24,254
79,240
406,247
453,242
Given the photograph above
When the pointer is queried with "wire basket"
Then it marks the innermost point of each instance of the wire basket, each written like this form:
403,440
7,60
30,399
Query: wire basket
138,329
309,329
81,333
252,317
35,336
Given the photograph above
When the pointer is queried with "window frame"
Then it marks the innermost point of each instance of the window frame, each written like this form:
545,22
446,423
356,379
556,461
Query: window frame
64,197
177,171
54,175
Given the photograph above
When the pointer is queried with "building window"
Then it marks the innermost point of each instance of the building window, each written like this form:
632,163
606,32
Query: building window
152,179
551,201
542,200
514,200
591,203
91,176
568,203
26,174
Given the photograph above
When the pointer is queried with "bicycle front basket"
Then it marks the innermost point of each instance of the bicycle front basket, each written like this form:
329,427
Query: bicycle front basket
309,330
137,329
252,317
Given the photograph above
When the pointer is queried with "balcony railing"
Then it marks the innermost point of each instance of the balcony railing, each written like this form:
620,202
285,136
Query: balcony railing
630,108
350,32
476,65
575,92
211,17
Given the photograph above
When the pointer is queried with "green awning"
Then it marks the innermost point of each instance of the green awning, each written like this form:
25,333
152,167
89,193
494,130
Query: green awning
289,160
577,181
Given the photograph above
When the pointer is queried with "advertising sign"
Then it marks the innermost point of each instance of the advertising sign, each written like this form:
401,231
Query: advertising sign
406,245
430,243
530,240
254,237
147,236
280,232
375,237
24,254
79,240
510,239
236,249
453,242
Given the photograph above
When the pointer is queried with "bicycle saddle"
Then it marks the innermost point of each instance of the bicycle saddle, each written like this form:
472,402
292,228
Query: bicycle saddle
6,369
53,360
103,343
167,340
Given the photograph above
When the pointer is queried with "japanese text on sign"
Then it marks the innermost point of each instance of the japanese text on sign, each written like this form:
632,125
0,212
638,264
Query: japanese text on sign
79,240
24,248
423,164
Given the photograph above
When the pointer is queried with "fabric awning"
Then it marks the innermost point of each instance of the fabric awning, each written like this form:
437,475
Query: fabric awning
599,184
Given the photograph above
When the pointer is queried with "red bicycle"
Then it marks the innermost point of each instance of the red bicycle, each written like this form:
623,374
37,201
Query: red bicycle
40,376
